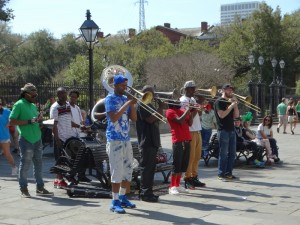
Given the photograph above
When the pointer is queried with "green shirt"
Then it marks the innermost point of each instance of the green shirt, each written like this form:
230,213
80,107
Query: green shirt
281,109
24,110
298,108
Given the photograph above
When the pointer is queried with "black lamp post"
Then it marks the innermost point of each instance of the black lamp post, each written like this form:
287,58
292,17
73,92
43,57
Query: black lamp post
273,89
281,85
261,87
89,31
252,85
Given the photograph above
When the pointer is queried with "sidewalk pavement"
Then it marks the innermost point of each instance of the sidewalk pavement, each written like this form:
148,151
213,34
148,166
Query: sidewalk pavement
260,197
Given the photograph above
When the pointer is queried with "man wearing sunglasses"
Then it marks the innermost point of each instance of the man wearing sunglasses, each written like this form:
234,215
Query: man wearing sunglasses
25,116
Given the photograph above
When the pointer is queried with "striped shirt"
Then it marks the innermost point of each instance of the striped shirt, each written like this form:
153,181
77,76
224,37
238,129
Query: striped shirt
62,114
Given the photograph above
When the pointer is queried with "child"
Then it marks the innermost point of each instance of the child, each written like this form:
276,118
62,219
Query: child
179,121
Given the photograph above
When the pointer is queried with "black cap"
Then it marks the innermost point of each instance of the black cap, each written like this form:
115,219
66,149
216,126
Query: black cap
225,86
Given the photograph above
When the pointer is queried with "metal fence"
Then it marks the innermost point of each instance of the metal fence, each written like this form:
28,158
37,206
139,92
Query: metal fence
10,92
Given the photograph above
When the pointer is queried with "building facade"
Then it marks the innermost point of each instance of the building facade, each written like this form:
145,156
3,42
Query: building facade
242,9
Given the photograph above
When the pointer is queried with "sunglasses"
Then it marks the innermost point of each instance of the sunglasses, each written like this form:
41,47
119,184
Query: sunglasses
267,120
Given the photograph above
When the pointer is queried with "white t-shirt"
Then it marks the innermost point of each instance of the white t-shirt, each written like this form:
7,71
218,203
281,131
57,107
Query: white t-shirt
196,126
62,114
76,118
265,129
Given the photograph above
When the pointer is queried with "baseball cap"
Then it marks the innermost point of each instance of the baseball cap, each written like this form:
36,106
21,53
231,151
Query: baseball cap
189,84
28,88
118,79
238,119
226,86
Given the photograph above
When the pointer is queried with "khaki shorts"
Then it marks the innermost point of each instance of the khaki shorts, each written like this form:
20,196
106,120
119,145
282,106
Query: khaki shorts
282,119
120,160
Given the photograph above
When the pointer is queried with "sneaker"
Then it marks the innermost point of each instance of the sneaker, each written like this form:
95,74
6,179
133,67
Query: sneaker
125,202
25,193
173,191
230,177
116,207
43,192
197,182
189,184
14,171
60,184
222,178
181,189
277,160
260,164
277,130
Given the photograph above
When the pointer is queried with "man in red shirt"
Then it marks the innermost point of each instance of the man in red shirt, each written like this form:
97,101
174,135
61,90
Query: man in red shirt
179,121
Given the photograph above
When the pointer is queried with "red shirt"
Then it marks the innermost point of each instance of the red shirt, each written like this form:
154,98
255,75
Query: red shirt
180,132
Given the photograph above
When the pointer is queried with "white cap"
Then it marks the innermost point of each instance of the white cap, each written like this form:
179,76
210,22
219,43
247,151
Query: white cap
189,84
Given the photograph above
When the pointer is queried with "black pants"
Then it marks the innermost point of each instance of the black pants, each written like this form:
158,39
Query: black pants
148,162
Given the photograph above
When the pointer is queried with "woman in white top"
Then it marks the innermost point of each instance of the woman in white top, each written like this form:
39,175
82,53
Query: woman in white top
264,137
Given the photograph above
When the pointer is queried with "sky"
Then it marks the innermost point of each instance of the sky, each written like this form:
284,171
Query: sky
60,17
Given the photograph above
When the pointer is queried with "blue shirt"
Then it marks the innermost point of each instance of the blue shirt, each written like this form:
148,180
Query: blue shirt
4,131
119,130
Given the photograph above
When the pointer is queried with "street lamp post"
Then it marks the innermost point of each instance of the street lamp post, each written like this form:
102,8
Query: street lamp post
252,85
273,89
261,87
89,31
281,85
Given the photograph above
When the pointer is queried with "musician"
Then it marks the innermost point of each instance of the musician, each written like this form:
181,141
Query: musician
147,127
24,115
226,110
119,109
191,175
179,120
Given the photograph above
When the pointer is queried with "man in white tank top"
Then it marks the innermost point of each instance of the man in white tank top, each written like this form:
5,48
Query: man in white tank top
191,175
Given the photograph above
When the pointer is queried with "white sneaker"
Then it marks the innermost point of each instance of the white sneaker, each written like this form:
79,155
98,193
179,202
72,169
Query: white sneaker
173,191
181,189
14,171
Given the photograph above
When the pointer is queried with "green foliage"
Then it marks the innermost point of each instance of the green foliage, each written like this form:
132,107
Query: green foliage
6,14
265,34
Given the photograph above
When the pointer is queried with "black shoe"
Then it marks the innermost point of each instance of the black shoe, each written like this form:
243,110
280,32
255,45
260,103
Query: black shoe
84,179
197,182
25,193
149,198
277,130
189,183
43,192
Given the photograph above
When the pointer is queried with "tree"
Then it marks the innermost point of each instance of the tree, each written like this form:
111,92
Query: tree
205,68
261,34
35,59
5,14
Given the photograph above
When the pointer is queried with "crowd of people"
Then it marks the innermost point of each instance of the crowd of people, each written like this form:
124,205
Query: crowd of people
191,126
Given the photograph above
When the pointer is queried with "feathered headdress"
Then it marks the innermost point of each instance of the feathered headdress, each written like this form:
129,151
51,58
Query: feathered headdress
248,117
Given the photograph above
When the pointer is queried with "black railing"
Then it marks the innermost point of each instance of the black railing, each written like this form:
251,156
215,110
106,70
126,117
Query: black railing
10,92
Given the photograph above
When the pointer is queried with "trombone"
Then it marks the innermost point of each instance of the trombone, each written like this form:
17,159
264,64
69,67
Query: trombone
145,99
213,91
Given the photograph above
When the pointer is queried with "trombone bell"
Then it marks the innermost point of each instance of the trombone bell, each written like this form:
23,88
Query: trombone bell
213,91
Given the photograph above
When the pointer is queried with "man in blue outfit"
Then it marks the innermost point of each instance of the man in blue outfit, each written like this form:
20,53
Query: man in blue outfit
226,110
119,109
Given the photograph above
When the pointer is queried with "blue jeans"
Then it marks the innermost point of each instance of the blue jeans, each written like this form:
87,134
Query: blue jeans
206,134
227,152
31,152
